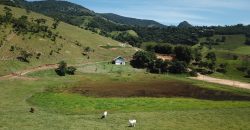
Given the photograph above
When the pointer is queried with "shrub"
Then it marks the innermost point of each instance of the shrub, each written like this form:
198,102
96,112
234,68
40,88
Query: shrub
142,59
178,67
71,70
24,56
221,70
61,70
248,73
12,48
193,73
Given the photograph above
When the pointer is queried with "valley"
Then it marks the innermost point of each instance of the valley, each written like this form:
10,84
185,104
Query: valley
62,65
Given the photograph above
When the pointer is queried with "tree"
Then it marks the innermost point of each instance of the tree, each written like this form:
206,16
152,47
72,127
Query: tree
55,24
183,53
150,48
87,49
247,42
142,59
223,39
24,56
248,73
197,55
211,56
40,21
158,66
178,67
62,68
222,68
21,24
71,70
8,15
164,49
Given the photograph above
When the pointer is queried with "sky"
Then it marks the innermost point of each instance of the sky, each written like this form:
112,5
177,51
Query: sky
172,12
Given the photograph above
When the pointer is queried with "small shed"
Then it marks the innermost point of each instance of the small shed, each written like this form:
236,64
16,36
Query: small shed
119,61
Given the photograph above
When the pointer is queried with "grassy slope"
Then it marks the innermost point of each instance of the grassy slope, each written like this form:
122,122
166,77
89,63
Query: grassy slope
71,111
234,45
70,52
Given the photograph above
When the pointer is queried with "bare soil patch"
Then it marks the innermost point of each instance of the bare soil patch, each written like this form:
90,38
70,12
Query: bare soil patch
152,89
165,57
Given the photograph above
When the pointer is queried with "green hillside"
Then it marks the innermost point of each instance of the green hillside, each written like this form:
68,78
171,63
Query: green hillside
234,53
69,45
131,21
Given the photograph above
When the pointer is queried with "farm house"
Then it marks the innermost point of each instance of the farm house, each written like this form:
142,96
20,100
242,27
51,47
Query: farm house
119,61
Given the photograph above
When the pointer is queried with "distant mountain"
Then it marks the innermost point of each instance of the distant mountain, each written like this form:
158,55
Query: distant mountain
131,21
185,24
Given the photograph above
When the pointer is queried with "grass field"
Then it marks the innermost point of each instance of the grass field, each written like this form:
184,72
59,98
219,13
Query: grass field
57,108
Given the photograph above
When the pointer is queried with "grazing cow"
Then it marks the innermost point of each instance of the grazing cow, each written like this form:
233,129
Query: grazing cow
132,123
32,110
104,115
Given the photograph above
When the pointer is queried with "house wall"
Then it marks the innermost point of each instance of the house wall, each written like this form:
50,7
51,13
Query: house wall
119,62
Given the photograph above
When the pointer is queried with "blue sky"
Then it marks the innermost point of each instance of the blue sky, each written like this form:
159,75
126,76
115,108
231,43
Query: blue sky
172,12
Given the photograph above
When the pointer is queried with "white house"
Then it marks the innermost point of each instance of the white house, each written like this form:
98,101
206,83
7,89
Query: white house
119,61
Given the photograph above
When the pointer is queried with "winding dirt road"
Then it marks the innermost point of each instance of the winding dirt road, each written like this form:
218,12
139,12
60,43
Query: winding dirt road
222,81
21,75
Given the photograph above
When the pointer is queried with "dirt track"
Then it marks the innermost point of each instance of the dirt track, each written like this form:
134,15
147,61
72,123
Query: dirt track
222,81
21,74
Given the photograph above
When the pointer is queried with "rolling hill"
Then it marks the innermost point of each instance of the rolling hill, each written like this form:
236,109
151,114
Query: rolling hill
69,44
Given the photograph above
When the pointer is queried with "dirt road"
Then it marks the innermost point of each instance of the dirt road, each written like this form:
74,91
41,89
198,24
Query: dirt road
21,74
222,81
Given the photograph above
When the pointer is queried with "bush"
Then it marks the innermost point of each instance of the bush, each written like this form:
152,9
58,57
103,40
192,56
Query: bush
221,70
247,42
193,73
12,48
62,70
242,69
142,59
178,67
204,71
71,70
248,73
24,56
183,53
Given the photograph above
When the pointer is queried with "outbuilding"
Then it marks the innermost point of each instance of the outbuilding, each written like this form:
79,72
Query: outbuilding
119,61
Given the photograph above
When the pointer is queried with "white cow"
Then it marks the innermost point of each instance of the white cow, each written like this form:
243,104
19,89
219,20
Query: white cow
132,123
104,115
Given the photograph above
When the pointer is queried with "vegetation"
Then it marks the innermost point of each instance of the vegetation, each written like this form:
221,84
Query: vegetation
62,69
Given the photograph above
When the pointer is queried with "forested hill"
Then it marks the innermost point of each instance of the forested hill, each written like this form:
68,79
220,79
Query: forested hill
113,26
79,15
131,21
62,10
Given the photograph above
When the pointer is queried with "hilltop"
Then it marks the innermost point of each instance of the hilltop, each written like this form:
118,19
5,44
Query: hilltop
185,24
131,21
